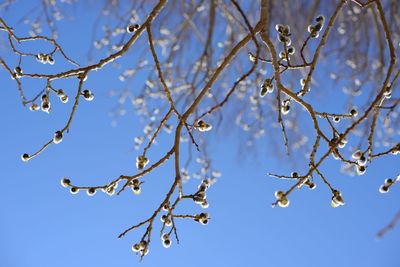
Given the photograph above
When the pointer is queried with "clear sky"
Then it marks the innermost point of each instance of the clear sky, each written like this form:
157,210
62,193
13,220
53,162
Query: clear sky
43,225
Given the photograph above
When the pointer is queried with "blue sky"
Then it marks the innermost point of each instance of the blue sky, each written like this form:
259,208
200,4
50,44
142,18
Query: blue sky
42,225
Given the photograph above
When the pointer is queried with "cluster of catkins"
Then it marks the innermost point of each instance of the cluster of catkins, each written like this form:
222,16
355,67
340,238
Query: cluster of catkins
307,182
285,55
282,200
315,29
63,97
131,28
339,139
361,162
283,34
44,59
57,138
200,196
165,218
141,248
166,240
284,37
281,197
45,100
46,107
109,190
